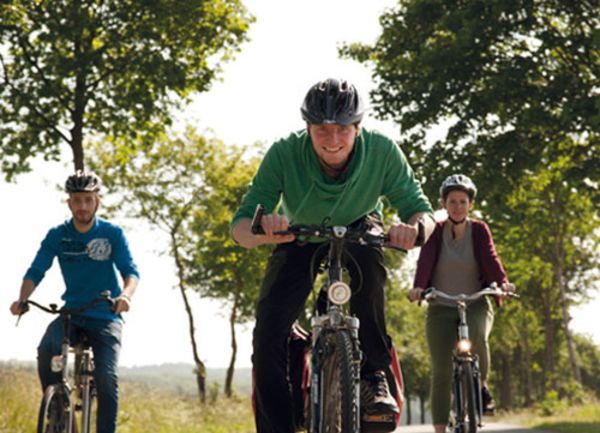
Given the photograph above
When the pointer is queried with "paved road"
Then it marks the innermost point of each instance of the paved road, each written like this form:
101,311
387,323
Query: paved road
487,428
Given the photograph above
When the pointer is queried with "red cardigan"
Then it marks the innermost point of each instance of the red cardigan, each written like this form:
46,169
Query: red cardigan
490,267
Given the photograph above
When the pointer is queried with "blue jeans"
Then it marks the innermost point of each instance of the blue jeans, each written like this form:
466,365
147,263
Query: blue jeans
104,337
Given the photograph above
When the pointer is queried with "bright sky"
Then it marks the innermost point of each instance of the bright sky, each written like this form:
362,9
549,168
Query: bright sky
293,45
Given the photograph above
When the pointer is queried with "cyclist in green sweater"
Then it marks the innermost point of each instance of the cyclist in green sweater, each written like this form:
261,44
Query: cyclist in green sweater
335,171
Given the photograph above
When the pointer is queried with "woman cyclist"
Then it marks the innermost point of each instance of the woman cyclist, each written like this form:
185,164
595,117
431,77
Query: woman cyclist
459,257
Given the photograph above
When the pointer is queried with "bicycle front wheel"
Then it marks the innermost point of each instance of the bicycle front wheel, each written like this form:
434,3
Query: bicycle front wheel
471,421
338,390
55,414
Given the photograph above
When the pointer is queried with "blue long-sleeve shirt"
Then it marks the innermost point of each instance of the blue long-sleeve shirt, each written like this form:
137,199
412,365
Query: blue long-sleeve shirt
88,261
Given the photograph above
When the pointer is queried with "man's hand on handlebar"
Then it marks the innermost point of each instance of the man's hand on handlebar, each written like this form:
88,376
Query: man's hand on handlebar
403,235
275,222
18,308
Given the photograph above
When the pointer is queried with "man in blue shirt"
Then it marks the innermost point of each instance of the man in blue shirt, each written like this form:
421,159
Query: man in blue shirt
90,251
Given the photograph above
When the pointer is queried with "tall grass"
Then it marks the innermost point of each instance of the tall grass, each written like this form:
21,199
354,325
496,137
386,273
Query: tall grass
142,409
584,418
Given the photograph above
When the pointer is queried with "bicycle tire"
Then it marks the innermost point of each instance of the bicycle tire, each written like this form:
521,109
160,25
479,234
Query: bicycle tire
55,414
471,422
338,388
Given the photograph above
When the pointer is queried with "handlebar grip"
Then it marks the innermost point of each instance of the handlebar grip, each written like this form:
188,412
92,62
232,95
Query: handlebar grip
23,307
256,228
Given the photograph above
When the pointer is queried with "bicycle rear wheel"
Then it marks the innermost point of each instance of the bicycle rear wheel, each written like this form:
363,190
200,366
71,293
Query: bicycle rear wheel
471,421
55,414
338,390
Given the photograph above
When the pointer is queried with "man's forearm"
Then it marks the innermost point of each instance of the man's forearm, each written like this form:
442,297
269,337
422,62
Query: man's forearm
241,233
428,223
27,288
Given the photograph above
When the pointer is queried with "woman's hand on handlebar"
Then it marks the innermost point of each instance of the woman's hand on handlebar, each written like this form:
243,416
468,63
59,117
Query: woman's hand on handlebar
415,294
508,289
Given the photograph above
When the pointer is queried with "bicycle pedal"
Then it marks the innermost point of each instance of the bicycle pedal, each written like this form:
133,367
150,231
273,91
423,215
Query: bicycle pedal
378,423
384,417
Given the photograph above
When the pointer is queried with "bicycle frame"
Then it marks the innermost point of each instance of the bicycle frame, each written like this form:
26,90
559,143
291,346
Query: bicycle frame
466,386
335,325
83,373
334,320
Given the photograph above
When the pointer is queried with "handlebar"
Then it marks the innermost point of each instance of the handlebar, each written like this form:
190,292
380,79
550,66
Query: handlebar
356,235
53,308
492,290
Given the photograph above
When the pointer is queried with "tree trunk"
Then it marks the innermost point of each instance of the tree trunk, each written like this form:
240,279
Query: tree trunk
527,363
200,369
422,400
232,320
548,376
505,385
566,319
78,114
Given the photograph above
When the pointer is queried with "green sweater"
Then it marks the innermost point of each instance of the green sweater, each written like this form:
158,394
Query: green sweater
290,179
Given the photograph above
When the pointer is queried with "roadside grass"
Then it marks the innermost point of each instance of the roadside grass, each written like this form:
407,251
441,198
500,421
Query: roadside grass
142,409
574,419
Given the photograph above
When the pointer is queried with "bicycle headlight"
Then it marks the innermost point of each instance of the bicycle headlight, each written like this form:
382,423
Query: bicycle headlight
57,364
463,346
339,293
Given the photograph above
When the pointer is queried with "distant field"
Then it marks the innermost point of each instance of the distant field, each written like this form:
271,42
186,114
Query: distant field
144,408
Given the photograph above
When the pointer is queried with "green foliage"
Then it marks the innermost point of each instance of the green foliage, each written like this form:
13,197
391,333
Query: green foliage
551,404
76,68
189,186
515,86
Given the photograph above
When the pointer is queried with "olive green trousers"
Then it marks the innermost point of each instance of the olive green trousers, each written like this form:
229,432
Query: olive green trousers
441,338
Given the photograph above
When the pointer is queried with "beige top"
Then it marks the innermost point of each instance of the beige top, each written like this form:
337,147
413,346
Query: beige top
456,270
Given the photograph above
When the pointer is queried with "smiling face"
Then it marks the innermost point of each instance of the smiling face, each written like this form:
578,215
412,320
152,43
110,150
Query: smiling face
457,204
83,206
333,143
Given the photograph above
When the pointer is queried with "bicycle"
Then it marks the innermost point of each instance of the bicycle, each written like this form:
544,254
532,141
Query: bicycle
61,400
467,413
335,354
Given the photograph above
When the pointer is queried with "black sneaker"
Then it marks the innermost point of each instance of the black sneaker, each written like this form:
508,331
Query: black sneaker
489,404
375,396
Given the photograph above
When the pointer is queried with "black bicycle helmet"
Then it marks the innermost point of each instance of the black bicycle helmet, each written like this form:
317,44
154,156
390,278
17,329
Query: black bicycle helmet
332,101
458,182
83,182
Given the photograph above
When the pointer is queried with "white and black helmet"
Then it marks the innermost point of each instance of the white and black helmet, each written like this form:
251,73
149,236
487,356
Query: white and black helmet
82,181
458,182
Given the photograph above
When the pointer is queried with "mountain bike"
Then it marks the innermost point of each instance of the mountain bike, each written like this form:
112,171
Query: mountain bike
335,354
63,400
467,412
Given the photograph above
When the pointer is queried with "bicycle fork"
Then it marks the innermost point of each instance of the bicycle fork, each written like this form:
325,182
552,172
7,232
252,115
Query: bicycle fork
333,321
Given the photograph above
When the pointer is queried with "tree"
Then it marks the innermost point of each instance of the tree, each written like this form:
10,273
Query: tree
515,83
190,187
509,79
222,269
554,251
76,68
164,185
